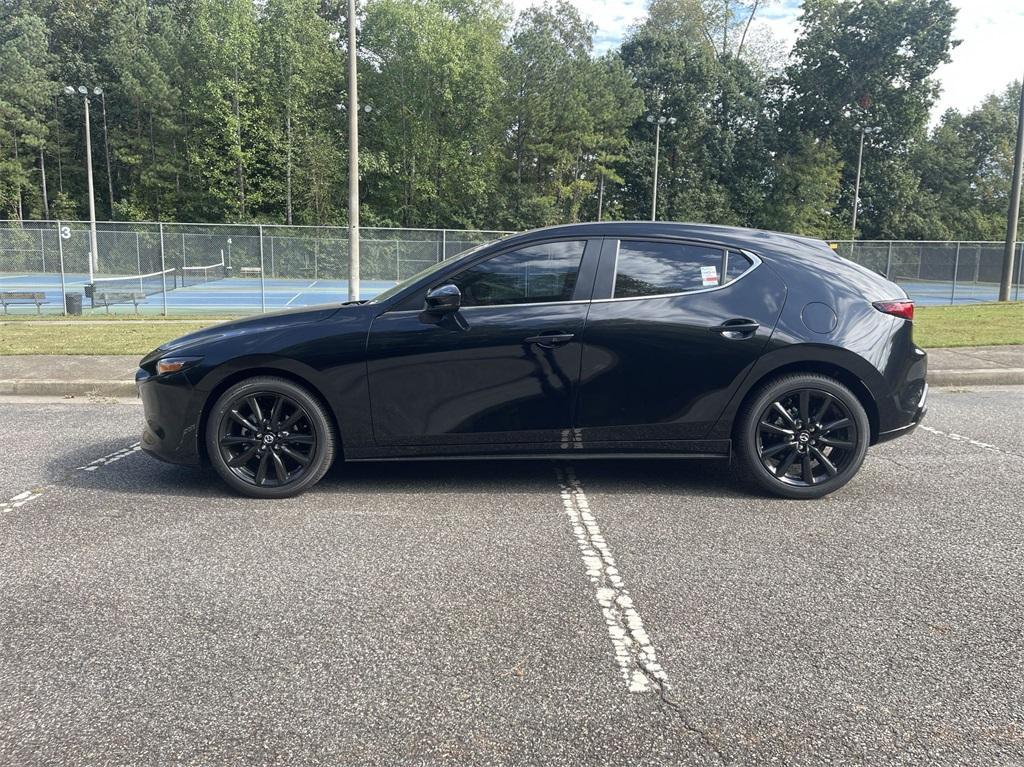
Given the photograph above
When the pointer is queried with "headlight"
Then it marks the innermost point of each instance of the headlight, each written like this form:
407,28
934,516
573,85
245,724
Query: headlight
175,364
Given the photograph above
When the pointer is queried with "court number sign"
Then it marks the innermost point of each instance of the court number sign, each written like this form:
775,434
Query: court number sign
65,232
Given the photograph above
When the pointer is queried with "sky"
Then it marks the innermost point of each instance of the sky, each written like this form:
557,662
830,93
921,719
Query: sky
987,60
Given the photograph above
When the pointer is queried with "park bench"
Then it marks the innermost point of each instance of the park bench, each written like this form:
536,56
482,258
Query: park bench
250,271
108,297
15,297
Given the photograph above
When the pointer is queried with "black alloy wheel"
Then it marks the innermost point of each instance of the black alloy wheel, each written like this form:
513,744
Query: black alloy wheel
803,436
269,438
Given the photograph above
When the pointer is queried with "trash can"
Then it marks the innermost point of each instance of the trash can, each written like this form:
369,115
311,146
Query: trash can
73,303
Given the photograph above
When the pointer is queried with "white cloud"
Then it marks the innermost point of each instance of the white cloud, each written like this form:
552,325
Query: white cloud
988,59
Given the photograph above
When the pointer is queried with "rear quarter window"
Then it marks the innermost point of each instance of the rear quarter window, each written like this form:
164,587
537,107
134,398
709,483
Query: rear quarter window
652,268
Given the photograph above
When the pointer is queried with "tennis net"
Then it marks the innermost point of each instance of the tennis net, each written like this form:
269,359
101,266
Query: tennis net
198,275
146,284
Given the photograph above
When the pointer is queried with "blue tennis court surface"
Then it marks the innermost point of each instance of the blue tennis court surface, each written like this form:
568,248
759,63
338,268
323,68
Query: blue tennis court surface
229,295
242,295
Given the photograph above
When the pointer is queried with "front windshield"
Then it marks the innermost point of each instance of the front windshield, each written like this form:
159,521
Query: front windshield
399,287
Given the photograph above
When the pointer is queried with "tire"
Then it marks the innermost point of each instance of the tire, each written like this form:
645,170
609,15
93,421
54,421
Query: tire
263,462
802,436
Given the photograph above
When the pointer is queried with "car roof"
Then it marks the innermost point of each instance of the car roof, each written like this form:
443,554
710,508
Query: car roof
757,240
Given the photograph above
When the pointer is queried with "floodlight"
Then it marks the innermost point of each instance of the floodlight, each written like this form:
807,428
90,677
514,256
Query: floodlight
83,90
650,118
671,121
367,108
69,89
662,120
97,91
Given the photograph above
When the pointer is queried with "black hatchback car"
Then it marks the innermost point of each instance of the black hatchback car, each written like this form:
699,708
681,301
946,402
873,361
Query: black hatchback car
586,340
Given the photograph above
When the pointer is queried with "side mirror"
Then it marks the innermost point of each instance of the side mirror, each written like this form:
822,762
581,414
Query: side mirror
444,299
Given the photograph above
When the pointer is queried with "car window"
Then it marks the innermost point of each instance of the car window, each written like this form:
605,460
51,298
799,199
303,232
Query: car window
655,268
534,274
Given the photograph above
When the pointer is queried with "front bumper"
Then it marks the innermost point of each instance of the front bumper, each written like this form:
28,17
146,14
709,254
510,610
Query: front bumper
171,408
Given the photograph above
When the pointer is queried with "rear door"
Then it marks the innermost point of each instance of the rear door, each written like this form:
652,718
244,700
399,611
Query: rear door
660,361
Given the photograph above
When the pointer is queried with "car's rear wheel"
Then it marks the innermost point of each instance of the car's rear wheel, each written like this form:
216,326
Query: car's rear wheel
802,436
269,438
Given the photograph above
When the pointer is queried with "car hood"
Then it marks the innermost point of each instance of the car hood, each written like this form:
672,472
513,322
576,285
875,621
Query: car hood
261,323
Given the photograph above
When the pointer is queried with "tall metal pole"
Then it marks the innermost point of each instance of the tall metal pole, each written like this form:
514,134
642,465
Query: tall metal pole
856,186
1014,211
106,153
94,259
654,190
353,158
600,198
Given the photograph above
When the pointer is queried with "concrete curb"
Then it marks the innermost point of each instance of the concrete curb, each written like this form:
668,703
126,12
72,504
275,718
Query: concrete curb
984,377
101,388
81,388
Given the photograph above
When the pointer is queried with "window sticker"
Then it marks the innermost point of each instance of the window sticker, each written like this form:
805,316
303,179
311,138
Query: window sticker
709,276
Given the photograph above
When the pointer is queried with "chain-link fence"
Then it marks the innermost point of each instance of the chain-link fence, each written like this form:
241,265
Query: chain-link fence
153,268
940,272
48,266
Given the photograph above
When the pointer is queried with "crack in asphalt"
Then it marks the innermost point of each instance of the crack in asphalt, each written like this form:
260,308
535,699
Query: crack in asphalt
634,651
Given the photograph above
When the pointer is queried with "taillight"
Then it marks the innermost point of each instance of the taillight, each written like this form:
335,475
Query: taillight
903,308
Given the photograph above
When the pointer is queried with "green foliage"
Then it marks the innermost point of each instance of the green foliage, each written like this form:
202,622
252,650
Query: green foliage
226,110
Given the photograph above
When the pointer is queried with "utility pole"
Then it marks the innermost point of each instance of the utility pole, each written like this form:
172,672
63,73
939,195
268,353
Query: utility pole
1014,211
856,186
654,187
658,121
94,263
106,152
353,157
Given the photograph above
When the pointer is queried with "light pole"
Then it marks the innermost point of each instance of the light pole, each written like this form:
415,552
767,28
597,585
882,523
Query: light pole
353,157
658,121
353,184
94,262
856,187
1011,217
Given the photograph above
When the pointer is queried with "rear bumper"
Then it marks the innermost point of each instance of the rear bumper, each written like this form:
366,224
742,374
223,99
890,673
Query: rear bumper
171,409
919,413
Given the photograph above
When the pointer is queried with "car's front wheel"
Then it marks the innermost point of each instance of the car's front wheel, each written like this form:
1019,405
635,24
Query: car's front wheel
802,436
269,438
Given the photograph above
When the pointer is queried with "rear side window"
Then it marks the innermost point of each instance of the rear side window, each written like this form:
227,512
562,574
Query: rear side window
534,274
650,268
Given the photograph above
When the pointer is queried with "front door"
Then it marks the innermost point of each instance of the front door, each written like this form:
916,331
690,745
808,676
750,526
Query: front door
500,374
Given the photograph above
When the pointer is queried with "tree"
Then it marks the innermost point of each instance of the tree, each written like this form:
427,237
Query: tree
432,141
869,61
26,90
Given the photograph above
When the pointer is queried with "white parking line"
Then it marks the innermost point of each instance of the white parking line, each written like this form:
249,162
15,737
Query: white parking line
19,500
961,438
634,652
117,455
26,496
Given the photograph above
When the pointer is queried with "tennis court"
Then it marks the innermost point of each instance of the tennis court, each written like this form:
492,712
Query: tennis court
249,294
241,295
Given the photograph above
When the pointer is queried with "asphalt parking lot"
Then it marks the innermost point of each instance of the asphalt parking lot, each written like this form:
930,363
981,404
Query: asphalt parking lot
453,613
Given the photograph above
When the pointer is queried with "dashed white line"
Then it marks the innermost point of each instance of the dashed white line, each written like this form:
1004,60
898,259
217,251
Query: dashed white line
27,496
961,438
117,455
634,651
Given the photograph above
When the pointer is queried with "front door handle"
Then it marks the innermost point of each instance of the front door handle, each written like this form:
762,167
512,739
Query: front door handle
736,329
551,340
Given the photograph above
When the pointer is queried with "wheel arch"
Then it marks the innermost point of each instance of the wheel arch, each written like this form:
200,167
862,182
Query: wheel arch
266,369
833,363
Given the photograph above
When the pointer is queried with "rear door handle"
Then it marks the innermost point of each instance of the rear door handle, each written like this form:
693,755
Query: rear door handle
551,340
736,329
